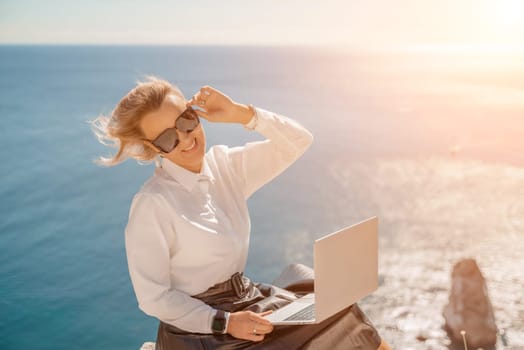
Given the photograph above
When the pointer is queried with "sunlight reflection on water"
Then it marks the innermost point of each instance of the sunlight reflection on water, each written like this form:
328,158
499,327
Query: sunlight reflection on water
433,213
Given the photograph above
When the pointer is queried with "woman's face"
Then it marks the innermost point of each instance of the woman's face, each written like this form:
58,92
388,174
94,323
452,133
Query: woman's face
190,151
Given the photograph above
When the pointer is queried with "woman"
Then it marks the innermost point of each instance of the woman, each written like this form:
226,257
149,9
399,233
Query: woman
188,231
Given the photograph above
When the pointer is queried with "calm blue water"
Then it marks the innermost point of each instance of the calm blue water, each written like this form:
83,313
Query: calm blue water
63,272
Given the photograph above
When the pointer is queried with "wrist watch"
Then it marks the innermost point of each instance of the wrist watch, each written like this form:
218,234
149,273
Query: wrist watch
219,324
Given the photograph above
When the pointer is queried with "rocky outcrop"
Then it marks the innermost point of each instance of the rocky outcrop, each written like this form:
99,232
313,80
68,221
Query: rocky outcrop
469,308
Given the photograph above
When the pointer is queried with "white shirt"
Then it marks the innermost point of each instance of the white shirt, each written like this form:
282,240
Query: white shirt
187,231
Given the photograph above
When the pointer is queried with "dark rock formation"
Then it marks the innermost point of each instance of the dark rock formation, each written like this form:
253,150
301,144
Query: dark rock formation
469,307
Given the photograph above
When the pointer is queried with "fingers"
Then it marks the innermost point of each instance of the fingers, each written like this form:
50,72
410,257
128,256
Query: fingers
266,313
259,331
249,325
206,90
259,317
255,337
200,98
196,100
260,324
200,111
262,328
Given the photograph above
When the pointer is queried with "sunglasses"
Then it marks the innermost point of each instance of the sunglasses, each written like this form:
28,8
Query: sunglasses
168,139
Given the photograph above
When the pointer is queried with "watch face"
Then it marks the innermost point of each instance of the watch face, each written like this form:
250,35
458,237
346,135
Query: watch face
219,324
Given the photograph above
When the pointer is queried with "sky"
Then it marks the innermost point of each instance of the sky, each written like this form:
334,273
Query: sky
345,23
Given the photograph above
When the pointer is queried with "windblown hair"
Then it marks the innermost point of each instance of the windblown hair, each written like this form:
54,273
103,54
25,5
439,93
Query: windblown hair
122,130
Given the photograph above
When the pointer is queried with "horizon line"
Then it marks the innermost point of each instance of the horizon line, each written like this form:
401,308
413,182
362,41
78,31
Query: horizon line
406,48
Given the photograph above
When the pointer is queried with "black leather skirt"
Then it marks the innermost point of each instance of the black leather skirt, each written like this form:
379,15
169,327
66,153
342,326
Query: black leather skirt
348,329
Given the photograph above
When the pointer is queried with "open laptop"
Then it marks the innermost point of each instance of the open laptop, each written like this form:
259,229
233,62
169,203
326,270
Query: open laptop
346,269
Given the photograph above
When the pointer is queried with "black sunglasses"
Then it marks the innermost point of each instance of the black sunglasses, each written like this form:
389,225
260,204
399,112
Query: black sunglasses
168,139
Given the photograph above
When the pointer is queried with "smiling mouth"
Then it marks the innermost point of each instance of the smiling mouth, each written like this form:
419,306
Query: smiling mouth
192,147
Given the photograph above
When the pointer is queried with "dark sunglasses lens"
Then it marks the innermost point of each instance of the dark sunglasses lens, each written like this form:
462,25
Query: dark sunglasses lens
188,121
167,141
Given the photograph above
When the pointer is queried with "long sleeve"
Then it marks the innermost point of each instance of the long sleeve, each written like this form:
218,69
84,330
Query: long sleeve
149,236
257,163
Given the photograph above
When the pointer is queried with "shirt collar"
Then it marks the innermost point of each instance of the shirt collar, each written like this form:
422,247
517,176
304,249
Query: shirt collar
187,178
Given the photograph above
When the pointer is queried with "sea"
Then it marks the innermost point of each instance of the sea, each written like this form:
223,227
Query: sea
431,142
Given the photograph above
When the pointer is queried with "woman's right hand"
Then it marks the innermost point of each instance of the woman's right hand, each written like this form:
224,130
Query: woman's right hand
215,106
244,324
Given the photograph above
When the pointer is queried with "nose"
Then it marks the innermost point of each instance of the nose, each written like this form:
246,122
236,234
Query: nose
185,138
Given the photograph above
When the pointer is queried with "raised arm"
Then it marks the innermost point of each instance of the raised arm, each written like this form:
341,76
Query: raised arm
256,163
148,236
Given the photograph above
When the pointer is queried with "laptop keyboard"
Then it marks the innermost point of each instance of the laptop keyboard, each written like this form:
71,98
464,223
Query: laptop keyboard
307,313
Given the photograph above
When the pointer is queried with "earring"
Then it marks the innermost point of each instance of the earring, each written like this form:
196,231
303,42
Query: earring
158,162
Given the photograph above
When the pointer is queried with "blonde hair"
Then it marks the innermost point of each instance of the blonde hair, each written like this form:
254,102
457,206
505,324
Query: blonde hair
122,129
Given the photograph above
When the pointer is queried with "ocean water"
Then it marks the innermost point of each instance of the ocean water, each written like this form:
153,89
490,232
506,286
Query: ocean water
429,142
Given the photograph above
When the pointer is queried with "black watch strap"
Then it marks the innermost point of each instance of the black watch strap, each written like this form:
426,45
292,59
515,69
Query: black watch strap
219,322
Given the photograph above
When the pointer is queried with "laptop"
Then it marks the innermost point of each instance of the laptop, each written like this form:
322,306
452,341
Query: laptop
346,269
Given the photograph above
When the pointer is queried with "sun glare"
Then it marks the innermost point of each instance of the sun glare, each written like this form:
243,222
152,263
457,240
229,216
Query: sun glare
510,12
508,19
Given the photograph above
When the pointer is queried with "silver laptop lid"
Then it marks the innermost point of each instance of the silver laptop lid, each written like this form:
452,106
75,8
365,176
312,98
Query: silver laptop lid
346,267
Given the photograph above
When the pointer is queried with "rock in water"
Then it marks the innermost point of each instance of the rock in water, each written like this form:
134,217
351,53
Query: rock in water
469,307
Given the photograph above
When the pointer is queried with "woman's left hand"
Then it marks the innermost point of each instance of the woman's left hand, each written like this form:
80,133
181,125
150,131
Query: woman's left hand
218,107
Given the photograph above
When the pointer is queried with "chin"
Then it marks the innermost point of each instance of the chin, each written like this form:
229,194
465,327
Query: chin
193,163
193,160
